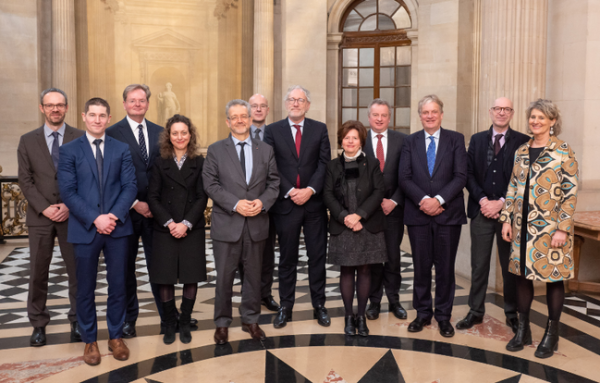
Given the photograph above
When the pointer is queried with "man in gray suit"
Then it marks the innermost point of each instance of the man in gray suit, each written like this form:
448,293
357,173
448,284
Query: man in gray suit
240,176
47,215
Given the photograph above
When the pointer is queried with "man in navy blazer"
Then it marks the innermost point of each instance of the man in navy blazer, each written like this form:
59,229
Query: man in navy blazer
432,174
97,182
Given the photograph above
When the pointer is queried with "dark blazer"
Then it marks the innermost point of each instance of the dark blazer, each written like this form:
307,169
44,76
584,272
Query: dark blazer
478,164
177,194
370,189
122,132
37,174
78,183
448,179
315,154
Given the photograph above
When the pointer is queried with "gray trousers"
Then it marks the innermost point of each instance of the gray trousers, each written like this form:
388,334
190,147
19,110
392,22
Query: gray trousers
227,257
483,231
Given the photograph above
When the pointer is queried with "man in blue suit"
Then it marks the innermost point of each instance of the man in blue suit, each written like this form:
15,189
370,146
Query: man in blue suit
97,182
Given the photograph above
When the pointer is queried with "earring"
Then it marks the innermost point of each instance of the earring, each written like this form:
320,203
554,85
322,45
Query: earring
552,130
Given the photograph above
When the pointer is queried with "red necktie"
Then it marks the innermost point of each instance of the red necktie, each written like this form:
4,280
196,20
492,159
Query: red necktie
379,152
298,142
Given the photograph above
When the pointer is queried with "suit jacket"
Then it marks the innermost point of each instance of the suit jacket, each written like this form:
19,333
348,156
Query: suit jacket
122,131
37,174
315,154
225,183
448,179
177,194
78,182
370,189
478,164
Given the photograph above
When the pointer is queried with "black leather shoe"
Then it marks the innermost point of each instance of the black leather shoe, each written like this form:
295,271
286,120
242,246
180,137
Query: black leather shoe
522,337
193,322
373,311
270,303
38,337
549,342
361,326
75,334
469,321
418,324
129,329
320,314
349,325
446,329
398,310
513,323
283,316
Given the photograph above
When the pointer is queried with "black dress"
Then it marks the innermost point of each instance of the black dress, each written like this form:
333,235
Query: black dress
534,153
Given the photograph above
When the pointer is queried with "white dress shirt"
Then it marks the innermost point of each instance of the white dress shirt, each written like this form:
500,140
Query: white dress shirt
91,140
384,142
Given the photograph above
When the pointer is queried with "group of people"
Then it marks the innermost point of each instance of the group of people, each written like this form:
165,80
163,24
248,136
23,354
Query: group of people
104,189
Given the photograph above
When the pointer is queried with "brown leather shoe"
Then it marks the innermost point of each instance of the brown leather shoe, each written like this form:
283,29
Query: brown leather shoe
119,349
254,331
91,354
221,335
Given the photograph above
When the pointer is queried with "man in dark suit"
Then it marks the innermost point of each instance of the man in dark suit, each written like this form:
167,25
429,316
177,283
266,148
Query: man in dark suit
386,145
302,152
491,155
240,175
432,174
47,215
97,183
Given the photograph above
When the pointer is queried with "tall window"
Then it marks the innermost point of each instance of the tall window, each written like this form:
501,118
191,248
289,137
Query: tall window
375,61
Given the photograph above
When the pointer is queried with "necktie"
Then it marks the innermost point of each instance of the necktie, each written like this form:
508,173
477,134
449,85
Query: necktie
243,158
99,165
431,155
379,152
497,146
142,142
257,135
298,143
54,153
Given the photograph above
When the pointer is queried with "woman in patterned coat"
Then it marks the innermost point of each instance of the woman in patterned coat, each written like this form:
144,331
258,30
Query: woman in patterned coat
538,220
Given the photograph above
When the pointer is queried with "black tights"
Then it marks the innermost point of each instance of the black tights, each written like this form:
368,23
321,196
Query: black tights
555,297
347,287
167,292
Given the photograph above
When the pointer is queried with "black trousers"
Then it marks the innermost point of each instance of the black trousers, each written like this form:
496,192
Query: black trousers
387,275
268,263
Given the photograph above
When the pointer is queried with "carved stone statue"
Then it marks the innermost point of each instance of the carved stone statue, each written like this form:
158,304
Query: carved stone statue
168,105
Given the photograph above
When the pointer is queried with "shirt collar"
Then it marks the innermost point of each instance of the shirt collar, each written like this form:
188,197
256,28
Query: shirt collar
374,133
248,140
134,124
92,138
435,135
61,130
253,128
301,123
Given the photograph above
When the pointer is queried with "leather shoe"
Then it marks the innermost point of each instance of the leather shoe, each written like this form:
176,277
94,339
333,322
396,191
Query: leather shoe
221,335
446,329
270,303
283,316
349,325
398,310
91,354
418,324
373,311
38,337
118,348
469,321
75,334
129,329
361,326
320,314
254,330
513,323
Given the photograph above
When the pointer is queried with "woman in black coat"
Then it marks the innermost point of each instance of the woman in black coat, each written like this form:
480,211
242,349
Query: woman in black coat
354,190
177,201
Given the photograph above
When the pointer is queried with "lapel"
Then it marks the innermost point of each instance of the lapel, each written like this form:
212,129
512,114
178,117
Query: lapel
362,171
152,141
391,143
444,144
307,136
368,149
41,140
86,148
108,154
69,134
286,131
254,161
170,168
233,156
420,142
187,170
130,138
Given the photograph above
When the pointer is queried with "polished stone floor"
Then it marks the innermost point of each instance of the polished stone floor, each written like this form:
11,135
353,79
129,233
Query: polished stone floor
303,351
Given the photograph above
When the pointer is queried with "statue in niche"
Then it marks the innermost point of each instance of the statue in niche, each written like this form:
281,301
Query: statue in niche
168,105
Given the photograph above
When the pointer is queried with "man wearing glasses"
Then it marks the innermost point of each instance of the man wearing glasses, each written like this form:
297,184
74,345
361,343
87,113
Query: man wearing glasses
302,151
490,164
47,215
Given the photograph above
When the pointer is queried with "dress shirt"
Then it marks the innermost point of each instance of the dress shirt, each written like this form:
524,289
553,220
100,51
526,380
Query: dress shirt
384,142
436,137
247,153
293,129
50,138
91,140
502,139
136,133
262,131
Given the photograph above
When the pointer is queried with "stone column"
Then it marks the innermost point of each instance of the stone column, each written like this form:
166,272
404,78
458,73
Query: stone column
264,50
64,59
513,56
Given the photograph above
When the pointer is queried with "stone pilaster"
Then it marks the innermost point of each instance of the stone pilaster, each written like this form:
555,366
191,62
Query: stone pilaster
64,58
264,50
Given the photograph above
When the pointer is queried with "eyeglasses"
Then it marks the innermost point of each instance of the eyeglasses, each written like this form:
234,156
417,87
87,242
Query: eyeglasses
52,106
237,118
498,109
294,100
261,106
133,102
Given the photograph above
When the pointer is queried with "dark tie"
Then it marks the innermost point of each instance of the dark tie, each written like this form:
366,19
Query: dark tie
431,155
99,165
142,142
55,150
379,152
497,145
243,158
298,143
257,135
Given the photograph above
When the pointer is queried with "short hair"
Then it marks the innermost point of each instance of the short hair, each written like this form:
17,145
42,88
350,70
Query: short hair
430,98
165,144
234,103
132,87
379,101
96,101
352,125
294,87
550,110
53,90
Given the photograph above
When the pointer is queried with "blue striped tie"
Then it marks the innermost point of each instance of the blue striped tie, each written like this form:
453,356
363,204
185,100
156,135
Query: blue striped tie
142,142
431,155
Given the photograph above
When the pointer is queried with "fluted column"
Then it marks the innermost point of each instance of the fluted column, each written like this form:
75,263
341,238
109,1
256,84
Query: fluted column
264,50
513,56
64,59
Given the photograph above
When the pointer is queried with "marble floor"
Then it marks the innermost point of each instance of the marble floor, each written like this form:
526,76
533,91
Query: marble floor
303,351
